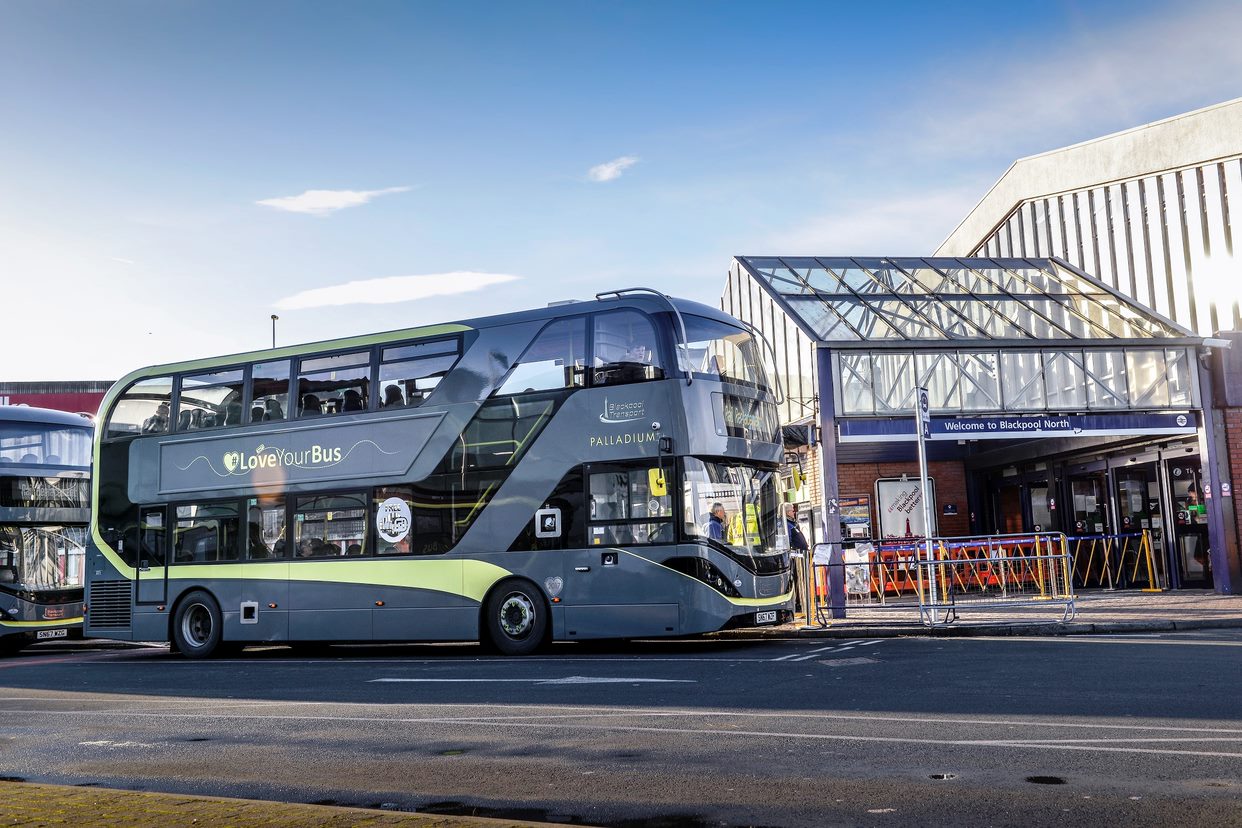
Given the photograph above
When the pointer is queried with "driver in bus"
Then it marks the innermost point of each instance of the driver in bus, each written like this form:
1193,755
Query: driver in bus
716,522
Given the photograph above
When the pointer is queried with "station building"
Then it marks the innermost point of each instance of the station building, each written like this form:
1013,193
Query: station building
1072,332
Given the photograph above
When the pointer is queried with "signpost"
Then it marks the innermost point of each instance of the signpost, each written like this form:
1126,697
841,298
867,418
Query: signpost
923,427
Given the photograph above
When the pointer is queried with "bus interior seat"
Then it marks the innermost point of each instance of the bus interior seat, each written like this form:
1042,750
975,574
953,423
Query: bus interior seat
183,420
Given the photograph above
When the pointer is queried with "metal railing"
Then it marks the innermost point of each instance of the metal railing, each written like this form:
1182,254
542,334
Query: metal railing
937,580
1123,561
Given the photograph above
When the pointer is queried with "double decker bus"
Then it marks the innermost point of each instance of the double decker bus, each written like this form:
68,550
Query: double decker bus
542,475
44,489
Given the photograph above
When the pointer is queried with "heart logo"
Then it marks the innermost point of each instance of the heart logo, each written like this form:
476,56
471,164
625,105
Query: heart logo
231,460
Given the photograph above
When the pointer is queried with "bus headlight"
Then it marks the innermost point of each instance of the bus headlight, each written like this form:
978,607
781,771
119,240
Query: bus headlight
705,571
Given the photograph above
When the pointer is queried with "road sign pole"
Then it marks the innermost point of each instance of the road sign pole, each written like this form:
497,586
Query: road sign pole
923,429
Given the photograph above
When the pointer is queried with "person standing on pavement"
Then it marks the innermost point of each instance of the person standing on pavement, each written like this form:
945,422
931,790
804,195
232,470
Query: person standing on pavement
797,540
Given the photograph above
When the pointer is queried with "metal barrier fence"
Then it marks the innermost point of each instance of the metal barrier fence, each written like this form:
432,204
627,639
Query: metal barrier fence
1125,561
936,581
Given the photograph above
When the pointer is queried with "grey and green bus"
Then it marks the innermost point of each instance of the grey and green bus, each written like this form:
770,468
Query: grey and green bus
44,483
601,469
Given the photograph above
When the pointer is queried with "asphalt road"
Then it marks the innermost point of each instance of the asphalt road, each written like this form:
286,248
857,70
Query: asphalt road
1135,730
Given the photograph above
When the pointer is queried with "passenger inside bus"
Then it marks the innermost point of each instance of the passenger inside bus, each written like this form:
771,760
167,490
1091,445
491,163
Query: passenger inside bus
393,398
311,406
157,423
352,401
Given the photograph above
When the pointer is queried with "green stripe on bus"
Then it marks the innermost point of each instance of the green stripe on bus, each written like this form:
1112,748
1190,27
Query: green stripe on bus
737,602
31,625
466,578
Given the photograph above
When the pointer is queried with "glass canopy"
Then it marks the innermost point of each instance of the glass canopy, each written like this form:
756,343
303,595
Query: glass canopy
945,299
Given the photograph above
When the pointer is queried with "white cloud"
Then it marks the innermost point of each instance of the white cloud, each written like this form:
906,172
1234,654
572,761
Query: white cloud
913,225
390,289
122,261
324,202
611,169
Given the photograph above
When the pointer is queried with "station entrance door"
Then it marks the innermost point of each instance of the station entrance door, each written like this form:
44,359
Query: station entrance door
1190,531
1089,504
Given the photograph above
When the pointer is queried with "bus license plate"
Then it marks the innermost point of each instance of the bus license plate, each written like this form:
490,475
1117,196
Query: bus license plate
766,617
42,634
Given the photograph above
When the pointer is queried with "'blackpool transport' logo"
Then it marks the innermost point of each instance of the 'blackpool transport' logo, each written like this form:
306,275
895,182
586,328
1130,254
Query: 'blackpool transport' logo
623,412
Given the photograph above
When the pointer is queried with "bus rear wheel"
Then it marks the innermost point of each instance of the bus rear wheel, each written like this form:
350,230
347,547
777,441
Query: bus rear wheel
198,625
517,618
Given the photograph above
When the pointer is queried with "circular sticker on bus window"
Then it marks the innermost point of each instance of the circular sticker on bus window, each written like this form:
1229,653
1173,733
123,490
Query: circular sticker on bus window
392,520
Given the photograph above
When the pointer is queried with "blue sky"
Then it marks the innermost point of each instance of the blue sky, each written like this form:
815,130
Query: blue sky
172,173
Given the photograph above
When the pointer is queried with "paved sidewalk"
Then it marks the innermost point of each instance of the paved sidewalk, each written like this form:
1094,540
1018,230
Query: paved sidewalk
28,805
1098,612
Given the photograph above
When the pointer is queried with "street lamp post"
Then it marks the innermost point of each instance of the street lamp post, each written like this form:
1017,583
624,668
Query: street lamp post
274,318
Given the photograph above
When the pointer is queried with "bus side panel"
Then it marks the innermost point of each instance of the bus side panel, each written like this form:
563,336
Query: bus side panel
621,620
426,624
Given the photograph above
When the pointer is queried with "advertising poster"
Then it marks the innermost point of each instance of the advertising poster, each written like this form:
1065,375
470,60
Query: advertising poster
899,504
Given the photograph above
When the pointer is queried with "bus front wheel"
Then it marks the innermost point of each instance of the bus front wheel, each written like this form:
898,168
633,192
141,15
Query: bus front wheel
517,618
198,625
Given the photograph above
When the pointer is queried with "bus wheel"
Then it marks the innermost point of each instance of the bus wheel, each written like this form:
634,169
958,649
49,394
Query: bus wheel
198,625
517,618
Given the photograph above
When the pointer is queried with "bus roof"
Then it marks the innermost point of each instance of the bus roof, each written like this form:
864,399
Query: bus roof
47,416
645,302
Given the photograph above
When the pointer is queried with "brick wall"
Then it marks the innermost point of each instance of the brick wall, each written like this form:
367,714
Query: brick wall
1233,440
950,477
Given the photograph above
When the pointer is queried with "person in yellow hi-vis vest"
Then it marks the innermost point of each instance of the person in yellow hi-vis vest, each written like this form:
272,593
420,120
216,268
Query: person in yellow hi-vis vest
736,536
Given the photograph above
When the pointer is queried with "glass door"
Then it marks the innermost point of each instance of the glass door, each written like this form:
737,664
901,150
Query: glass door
1190,534
1007,509
1043,506
1090,505
1139,510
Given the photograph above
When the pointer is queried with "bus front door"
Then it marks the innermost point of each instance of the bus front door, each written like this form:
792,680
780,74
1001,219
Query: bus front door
152,562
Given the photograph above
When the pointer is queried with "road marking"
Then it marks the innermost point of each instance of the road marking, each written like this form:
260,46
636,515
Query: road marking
939,742
848,662
814,653
581,711
1100,639
566,680
836,648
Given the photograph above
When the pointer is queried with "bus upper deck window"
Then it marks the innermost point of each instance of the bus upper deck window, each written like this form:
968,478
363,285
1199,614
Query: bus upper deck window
626,349
337,384
269,391
409,373
556,359
142,409
210,400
